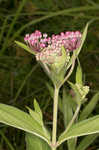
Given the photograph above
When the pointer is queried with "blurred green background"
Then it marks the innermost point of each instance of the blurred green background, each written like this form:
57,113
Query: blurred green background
21,78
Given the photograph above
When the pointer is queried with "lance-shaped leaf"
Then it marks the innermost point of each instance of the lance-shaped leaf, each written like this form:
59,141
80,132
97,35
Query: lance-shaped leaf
37,109
35,116
35,143
24,47
16,118
38,117
68,105
37,113
79,74
86,127
89,107
86,141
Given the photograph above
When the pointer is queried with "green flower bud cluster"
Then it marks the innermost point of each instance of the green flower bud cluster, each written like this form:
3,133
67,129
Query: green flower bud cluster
83,90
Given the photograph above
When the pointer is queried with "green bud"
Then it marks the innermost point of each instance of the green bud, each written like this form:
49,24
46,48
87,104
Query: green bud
83,90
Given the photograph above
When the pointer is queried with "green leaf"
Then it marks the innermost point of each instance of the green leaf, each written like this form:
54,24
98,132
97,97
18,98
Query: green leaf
16,118
89,107
35,116
79,74
86,141
86,127
37,108
67,108
71,143
24,47
35,143
40,116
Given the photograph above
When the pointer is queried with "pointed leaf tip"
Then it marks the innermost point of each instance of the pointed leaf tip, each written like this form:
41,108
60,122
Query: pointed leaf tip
22,45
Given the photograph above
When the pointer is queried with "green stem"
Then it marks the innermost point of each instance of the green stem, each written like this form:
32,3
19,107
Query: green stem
70,71
74,117
55,110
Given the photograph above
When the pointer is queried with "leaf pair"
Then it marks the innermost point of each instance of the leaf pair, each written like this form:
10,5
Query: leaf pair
86,127
29,123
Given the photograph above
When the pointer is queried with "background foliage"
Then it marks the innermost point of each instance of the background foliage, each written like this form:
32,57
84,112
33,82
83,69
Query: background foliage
21,78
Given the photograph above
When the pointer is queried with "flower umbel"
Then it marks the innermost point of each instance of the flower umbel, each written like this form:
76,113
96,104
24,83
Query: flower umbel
48,49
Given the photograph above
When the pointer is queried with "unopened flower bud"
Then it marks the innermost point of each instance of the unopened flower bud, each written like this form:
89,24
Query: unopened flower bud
83,90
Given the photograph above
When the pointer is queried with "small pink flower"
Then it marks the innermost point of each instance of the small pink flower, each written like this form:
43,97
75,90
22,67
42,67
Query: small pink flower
47,48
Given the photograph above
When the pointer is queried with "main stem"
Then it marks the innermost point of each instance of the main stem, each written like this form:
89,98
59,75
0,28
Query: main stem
55,110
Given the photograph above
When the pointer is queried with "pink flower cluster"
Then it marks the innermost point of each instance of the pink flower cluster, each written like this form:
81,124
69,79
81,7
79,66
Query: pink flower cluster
47,48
